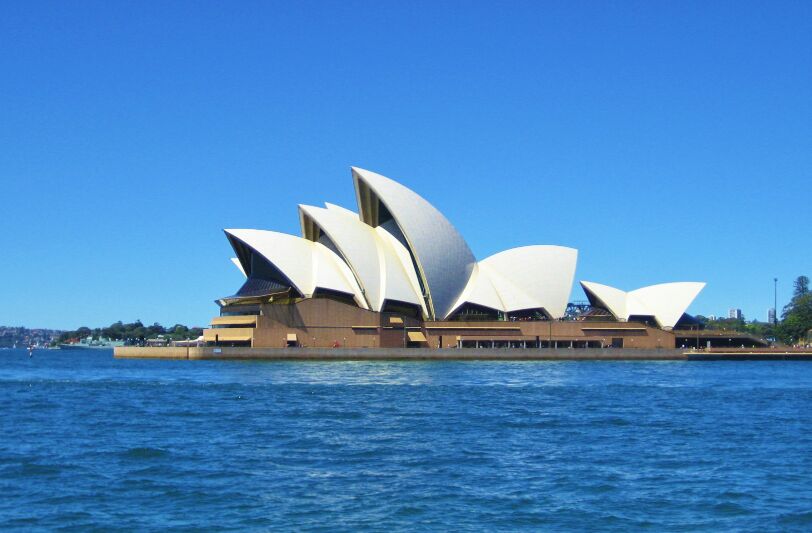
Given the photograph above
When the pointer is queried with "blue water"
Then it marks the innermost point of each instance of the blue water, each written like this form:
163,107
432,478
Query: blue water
89,442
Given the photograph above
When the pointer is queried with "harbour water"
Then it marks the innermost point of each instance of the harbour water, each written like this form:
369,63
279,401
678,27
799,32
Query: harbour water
91,442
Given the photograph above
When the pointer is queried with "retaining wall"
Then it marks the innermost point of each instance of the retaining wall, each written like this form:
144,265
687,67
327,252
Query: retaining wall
400,354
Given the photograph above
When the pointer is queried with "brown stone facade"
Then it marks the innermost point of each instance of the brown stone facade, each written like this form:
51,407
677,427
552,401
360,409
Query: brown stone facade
325,323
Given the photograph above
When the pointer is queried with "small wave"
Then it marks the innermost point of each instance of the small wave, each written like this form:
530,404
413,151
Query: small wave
600,488
735,495
409,511
730,508
35,469
148,471
797,519
18,523
144,452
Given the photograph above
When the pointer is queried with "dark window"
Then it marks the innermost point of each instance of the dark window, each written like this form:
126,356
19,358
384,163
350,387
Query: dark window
469,312
334,295
528,314
401,308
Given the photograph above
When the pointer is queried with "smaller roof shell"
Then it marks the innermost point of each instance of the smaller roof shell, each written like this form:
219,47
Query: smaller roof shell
307,265
528,277
610,298
666,302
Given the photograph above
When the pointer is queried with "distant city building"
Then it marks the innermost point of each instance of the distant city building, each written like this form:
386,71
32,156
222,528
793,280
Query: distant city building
11,336
735,313
771,315
712,317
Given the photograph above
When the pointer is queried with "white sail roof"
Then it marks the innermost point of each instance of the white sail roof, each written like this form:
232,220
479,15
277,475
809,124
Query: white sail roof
237,264
401,248
528,277
480,290
612,299
666,302
372,257
443,260
307,265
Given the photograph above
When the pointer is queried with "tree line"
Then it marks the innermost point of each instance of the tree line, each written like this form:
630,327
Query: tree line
796,318
133,331
795,326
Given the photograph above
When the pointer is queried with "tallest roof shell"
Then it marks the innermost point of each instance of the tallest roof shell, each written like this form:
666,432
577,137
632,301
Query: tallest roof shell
442,258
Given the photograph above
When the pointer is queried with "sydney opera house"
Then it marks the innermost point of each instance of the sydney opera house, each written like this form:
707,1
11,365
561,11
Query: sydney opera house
398,274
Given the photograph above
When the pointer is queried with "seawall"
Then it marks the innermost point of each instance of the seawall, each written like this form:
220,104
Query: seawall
397,354
466,354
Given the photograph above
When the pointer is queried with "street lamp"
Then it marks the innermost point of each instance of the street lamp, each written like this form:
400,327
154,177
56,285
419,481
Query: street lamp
775,301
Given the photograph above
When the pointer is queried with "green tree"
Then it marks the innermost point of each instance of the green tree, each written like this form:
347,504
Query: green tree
801,286
796,319
133,332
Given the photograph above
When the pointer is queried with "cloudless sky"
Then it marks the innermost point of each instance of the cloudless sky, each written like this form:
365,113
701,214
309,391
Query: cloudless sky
665,140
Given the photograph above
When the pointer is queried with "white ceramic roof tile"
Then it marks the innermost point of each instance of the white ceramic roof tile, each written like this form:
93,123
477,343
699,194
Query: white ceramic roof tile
443,258
666,302
306,264
373,261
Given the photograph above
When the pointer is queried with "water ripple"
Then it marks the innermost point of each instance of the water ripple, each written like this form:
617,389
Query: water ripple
91,443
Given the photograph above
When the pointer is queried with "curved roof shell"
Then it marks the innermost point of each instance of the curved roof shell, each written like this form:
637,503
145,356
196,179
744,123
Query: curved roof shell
372,258
443,261
236,263
666,302
307,265
610,298
528,277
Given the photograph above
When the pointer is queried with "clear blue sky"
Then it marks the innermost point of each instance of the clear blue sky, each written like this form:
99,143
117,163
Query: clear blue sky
667,141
